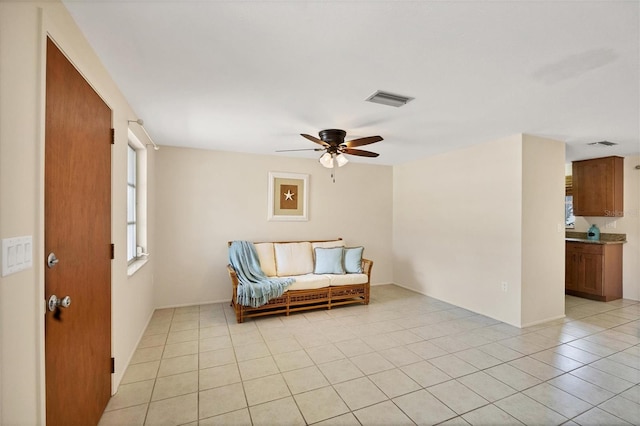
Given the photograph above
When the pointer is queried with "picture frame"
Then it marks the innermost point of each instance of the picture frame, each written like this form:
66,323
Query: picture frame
288,197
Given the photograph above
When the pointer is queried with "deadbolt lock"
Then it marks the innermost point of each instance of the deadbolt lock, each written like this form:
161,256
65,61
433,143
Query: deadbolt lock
52,260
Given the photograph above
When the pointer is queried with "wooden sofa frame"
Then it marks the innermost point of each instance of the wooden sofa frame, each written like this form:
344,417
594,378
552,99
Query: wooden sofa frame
304,300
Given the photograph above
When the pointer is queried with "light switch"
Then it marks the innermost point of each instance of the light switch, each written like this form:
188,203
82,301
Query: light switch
16,254
11,256
19,254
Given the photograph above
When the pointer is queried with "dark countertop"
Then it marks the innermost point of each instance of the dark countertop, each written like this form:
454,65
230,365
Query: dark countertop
584,240
581,237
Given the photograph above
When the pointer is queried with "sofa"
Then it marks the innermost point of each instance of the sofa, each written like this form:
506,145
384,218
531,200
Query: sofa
326,274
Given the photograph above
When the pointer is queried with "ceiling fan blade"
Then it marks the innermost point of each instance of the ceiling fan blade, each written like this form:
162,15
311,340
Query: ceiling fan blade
363,141
304,149
360,152
314,139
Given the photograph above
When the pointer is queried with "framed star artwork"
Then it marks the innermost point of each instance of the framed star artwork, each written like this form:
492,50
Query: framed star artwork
288,196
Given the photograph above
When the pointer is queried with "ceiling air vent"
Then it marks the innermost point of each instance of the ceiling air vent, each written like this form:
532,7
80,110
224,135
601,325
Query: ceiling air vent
602,143
391,99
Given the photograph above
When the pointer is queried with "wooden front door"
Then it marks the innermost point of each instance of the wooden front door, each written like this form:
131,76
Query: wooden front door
78,233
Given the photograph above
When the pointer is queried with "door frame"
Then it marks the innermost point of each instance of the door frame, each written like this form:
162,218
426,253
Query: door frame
64,40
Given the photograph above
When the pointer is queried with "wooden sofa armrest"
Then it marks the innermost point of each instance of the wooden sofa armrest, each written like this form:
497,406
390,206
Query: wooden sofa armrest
234,281
366,267
232,274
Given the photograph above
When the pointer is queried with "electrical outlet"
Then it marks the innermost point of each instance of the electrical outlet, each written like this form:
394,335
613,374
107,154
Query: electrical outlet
610,225
505,286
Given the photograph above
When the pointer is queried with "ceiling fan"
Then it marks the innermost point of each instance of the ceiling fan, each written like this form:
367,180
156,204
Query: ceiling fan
332,141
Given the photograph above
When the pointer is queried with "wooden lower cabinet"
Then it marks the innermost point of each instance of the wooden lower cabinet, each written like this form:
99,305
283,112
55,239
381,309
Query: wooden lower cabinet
593,270
571,265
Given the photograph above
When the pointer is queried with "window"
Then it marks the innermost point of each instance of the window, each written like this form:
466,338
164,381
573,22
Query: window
569,218
132,201
136,204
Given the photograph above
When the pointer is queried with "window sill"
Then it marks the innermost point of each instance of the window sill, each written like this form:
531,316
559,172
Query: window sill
136,265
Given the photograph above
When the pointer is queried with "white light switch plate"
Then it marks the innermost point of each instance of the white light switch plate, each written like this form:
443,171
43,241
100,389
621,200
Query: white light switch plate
17,254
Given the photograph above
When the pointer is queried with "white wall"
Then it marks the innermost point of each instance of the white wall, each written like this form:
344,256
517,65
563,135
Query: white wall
20,294
23,28
542,229
468,220
629,224
207,198
457,227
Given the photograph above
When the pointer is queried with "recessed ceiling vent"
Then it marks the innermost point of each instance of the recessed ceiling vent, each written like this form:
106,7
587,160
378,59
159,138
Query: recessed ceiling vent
391,99
602,143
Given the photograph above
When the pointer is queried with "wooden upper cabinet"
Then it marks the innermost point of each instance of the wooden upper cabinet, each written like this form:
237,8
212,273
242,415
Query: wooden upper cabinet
598,186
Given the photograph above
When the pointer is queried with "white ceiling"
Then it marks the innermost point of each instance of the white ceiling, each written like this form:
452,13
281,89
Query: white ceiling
250,76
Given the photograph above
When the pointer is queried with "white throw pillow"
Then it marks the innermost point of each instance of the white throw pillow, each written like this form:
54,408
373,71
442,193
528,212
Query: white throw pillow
293,258
327,244
267,258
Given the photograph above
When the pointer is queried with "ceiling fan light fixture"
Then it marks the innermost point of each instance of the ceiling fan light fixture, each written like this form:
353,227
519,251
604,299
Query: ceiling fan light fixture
390,99
326,160
341,159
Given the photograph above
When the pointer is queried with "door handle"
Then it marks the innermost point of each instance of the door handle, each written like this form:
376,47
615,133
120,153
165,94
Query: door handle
55,303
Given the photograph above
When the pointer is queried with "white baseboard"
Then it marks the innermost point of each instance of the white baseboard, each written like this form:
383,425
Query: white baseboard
184,305
529,324
377,284
115,384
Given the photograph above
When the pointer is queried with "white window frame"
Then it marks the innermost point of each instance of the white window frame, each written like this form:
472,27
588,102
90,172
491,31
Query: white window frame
140,255
132,201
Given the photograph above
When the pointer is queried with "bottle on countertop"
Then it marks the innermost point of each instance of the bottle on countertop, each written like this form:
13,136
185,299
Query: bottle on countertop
593,233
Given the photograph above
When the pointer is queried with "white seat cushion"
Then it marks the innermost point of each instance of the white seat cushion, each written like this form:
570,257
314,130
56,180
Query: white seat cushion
347,279
293,258
267,258
309,282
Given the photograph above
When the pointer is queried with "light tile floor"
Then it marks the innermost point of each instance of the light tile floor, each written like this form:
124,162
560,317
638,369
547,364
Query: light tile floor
403,359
